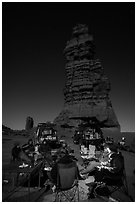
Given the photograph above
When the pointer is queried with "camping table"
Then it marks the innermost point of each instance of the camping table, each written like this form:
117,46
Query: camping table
87,157
28,171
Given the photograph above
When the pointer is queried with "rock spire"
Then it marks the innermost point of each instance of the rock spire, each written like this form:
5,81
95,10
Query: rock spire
86,92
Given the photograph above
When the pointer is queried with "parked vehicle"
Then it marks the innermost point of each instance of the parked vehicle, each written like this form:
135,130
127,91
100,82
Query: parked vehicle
89,134
45,132
92,136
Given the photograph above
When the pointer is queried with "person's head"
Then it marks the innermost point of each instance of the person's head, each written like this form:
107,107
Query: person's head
64,152
64,145
30,141
44,141
111,148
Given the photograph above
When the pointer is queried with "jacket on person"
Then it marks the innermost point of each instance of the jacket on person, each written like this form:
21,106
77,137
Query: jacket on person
115,163
16,152
67,160
113,169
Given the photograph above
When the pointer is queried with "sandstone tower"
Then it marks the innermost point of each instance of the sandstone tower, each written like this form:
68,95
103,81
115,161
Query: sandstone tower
86,92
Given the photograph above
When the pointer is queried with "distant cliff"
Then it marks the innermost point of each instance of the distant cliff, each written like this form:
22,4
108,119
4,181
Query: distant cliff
6,130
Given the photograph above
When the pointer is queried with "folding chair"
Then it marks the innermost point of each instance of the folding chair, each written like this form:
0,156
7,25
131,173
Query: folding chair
67,182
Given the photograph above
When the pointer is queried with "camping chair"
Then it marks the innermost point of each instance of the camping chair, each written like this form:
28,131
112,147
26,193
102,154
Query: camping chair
112,185
67,182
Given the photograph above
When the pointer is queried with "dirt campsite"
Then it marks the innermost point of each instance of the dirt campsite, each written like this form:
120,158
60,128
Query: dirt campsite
47,194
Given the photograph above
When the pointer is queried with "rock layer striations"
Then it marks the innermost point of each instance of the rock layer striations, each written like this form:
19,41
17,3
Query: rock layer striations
86,92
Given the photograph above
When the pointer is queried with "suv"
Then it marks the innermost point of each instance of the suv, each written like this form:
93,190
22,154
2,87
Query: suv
46,132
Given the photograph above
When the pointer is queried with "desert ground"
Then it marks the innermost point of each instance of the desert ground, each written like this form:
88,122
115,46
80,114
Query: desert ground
9,140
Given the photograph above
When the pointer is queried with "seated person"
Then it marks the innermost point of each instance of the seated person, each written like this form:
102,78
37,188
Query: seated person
16,152
112,167
27,151
29,147
64,158
44,147
67,148
25,158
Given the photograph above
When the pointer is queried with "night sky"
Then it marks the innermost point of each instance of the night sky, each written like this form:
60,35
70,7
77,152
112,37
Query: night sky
33,66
